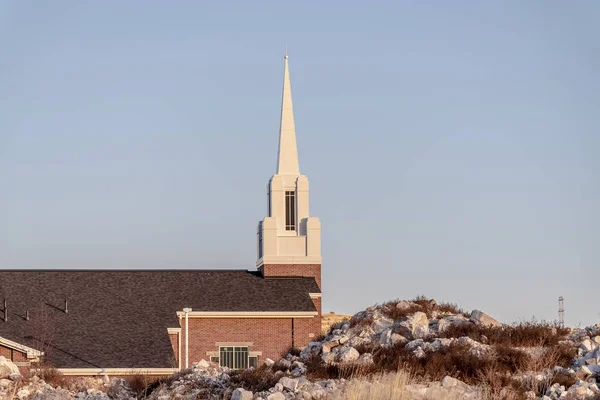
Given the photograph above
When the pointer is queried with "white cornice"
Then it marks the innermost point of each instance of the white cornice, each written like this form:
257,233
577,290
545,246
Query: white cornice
249,314
294,260
315,295
117,371
31,352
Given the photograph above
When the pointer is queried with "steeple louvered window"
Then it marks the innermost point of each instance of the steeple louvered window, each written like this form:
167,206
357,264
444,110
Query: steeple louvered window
290,210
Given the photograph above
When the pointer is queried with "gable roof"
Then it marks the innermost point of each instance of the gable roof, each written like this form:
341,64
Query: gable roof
119,318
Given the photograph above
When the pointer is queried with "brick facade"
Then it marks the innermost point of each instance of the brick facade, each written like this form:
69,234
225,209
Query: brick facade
270,336
310,270
174,338
13,355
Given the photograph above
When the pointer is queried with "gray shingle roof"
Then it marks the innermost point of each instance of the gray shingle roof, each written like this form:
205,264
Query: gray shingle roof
119,319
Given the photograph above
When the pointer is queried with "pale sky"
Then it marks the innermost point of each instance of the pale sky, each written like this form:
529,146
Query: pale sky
452,147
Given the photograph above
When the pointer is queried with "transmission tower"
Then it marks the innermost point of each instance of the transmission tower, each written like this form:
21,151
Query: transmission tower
561,312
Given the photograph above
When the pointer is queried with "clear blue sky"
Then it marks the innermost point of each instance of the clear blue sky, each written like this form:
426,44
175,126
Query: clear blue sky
452,147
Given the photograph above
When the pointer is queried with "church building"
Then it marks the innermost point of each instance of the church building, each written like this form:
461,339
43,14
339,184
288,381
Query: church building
120,322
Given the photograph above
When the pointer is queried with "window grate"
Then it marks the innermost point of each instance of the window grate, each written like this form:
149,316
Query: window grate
233,357
290,210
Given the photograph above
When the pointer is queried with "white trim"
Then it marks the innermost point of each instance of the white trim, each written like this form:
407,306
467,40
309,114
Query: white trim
250,314
117,371
173,331
254,353
288,260
315,295
234,344
31,352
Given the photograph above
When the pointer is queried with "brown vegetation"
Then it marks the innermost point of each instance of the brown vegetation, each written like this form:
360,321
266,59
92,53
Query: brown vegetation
524,334
257,379
422,304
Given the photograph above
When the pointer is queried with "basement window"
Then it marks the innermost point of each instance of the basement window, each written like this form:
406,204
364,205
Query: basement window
233,357
253,361
290,210
214,360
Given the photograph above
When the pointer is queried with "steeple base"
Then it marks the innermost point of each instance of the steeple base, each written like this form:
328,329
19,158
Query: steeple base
304,270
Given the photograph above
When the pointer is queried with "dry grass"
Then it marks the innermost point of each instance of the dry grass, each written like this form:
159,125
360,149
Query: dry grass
361,321
142,384
422,304
524,334
257,379
380,387
49,374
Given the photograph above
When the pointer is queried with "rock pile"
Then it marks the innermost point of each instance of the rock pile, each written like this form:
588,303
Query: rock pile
420,330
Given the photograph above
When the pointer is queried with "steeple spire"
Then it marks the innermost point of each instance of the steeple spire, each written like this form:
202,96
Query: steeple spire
287,157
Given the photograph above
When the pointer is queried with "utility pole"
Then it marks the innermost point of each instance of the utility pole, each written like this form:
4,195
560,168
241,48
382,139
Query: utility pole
561,312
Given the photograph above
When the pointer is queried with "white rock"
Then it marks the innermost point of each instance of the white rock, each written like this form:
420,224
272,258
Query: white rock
289,383
7,367
276,396
481,318
269,362
442,325
5,383
419,353
312,350
348,354
586,345
202,364
328,358
381,324
591,369
448,382
413,327
365,359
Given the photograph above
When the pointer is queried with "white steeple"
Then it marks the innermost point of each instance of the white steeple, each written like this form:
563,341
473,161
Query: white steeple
287,157
288,235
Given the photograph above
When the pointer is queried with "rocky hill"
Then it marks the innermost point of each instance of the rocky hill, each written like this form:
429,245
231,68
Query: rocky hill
416,349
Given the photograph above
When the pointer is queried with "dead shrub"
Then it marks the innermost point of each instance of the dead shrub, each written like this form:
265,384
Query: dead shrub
524,334
49,374
257,379
511,359
563,379
317,369
366,347
361,321
419,304
292,350
142,384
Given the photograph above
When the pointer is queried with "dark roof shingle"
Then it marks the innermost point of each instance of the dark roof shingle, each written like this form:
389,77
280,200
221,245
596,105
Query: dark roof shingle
119,318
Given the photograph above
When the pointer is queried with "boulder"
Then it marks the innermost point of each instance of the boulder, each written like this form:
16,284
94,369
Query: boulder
442,325
328,358
381,324
586,345
414,327
269,362
203,364
365,359
312,350
242,394
289,383
481,318
276,396
8,368
348,354
450,382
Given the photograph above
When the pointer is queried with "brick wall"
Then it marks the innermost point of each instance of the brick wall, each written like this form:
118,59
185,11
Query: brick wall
271,336
174,338
13,355
312,270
